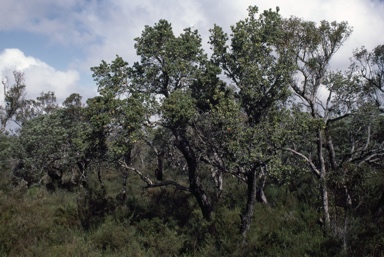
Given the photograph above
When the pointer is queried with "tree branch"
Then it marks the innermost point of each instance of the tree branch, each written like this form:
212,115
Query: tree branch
313,167
149,182
338,118
167,183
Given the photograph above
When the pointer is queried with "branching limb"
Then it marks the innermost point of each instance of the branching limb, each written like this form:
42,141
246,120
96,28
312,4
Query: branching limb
149,182
169,183
311,164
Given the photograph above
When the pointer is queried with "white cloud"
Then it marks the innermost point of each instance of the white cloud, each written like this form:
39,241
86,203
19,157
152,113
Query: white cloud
39,76
126,19
102,29
365,16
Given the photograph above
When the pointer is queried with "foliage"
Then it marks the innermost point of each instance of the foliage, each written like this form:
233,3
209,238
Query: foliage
13,99
240,153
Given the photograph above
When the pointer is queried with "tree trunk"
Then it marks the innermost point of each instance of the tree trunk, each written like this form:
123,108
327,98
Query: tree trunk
83,173
160,168
260,196
195,185
123,195
99,176
331,150
246,216
378,210
128,160
323,181
345,230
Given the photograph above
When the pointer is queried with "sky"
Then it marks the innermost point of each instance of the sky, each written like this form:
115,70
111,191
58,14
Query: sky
55,42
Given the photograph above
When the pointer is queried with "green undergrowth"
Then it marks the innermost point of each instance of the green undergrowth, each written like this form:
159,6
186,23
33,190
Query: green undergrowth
96,221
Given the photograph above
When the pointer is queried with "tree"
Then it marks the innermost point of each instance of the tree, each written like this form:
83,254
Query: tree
369,67
45,103
116,115
260,70
313,48
160,82
53,144
332,100
168,67
13,99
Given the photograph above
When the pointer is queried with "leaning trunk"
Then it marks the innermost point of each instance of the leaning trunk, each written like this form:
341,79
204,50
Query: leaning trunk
195,185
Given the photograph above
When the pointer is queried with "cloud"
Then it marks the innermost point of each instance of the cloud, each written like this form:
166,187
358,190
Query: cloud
39,76
125,20
102,29
64,22
365,16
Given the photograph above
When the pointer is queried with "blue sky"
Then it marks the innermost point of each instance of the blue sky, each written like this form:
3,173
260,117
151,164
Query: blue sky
55,42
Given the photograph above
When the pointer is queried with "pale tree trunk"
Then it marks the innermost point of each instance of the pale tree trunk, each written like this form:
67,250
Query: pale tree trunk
128,162
331,150
124,185
348,199
260,196
323,181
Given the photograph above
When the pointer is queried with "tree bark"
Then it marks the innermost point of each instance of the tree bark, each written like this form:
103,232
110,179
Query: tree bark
260,196
323,180
160,168
246,216
195,185
83,173
127,160
331,150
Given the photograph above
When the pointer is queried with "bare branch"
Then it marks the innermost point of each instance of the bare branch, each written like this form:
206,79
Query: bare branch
368,138
167,183
313,167
338,118
149,182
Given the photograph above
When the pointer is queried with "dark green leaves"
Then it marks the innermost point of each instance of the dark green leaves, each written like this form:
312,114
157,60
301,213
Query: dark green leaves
112,79
254,62
178,109
167,62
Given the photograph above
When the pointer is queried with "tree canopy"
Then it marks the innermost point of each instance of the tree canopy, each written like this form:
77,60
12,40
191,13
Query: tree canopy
252,149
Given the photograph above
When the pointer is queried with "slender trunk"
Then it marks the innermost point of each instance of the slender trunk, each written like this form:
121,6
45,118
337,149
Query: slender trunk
99,176
323,181
83,173
160,168
3,114
246,216
260,196
195,185
379,207
324,196
128,160
124,184
331,150
3,123
345,230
